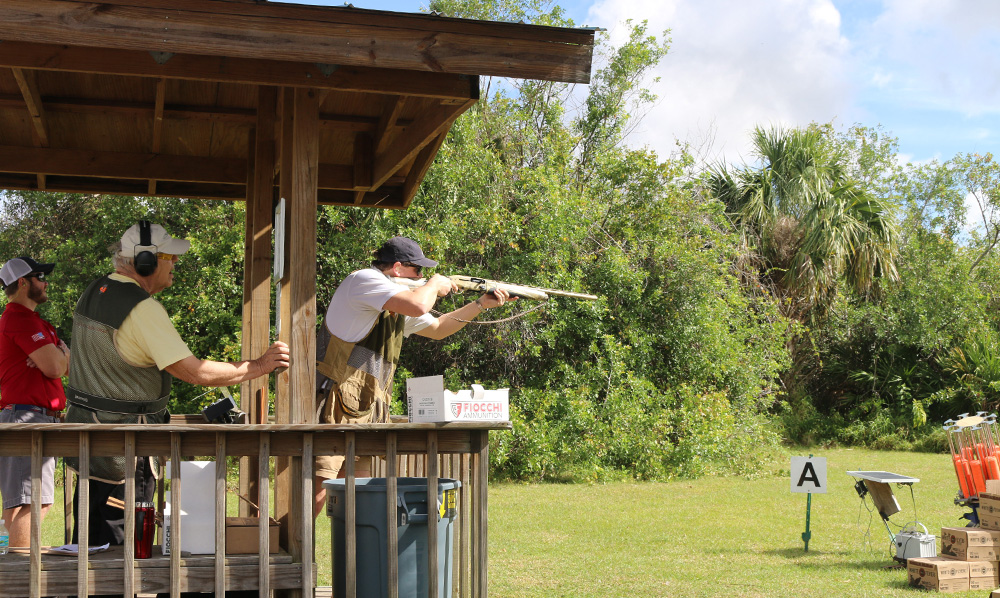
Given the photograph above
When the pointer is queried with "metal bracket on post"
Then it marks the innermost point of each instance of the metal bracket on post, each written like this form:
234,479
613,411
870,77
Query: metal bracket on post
326,69
161,58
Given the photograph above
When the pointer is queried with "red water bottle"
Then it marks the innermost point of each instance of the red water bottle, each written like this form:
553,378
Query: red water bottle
145,529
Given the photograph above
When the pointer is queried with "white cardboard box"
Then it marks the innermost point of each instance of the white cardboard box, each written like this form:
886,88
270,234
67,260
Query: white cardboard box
428,401
197,509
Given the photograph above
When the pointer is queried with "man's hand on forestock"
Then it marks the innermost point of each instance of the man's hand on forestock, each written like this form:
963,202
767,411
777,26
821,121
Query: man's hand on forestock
495,299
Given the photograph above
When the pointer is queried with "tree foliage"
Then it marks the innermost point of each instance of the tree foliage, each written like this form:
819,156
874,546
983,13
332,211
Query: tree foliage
822,292
670,373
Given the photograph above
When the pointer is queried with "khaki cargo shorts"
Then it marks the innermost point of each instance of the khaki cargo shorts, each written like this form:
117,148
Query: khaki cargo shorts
328,466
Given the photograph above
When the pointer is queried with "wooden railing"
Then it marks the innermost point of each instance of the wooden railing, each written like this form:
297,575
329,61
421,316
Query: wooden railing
433,450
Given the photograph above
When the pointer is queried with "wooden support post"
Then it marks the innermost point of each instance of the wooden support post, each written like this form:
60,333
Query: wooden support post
303,515
35,530
302,255
257,269
482,442
432,514
67,503
392,542
175,515
220,514
464,527
263,524
282,402
286,129
350,519
83,518
129,565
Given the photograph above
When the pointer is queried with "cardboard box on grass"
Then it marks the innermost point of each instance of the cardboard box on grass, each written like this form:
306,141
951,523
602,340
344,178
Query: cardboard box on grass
428,401
989,503
970,544
990,582
242,535
989,508
983,568
989,521
938,573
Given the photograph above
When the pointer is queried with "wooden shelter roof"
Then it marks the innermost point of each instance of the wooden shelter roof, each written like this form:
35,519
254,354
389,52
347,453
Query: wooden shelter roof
160,97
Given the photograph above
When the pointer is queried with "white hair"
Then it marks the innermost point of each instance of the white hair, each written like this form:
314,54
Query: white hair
121,262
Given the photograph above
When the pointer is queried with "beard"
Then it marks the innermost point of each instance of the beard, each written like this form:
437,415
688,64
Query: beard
37,294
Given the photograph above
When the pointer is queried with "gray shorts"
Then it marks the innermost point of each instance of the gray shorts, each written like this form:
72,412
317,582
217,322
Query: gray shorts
15,472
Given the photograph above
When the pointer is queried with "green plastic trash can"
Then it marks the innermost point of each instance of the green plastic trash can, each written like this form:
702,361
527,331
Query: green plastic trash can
373,535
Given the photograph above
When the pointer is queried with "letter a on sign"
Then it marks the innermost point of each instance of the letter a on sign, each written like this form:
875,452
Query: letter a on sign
809,474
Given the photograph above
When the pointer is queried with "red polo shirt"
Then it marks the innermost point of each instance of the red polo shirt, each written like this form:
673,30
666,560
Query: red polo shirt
22,332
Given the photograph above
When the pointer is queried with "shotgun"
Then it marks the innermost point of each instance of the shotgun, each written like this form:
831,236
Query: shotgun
483,285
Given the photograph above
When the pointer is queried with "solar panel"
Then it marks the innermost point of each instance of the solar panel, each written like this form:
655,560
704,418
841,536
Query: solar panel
885,477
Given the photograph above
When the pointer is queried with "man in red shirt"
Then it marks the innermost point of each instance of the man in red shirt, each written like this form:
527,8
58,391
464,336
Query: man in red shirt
32,363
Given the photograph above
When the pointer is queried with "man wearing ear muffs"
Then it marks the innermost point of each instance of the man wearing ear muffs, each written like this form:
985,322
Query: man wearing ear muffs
126,352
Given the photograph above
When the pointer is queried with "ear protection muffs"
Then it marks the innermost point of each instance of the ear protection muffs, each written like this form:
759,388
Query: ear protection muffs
145,261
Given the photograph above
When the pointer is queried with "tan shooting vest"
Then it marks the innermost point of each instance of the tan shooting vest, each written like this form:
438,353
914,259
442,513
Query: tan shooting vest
359,375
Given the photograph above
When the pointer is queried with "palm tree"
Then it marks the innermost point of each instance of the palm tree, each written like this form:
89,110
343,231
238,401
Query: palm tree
809,225
806,227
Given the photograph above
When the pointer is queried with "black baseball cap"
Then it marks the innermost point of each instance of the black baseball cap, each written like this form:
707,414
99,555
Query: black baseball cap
20,267
404,250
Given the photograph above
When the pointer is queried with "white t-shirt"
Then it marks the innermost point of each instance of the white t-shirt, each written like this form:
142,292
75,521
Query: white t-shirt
359,300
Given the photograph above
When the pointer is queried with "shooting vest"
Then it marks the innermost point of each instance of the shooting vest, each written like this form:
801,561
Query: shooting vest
359,375
103,387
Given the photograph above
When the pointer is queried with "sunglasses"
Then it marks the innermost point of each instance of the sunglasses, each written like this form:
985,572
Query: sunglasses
167,256
40,276
411,265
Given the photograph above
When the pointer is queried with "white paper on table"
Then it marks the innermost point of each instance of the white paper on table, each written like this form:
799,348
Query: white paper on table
75,549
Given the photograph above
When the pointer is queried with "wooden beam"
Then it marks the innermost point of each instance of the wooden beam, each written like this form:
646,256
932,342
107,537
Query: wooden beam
261,71
161,94
239,116
122,165
363,158
27,81
385,197
390,115
414,138
421,164
297,34
351,15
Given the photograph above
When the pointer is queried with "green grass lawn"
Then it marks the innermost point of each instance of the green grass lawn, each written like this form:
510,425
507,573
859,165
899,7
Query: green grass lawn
710,537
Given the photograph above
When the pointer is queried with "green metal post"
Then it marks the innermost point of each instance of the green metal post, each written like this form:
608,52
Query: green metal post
806,535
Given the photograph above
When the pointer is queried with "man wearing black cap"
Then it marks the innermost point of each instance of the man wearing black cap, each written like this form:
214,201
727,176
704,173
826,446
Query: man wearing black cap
32,363
363,332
